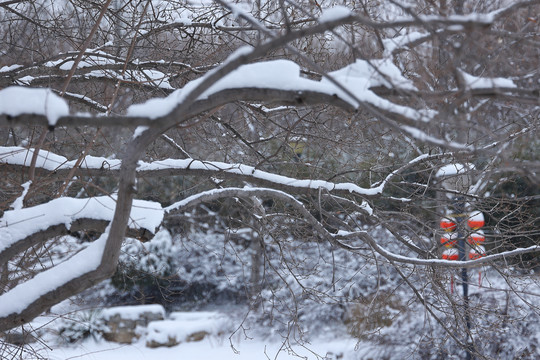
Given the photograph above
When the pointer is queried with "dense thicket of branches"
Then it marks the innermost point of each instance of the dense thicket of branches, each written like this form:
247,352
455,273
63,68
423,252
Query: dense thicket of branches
387,93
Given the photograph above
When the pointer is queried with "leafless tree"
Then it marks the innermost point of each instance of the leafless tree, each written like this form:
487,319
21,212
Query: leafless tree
341,117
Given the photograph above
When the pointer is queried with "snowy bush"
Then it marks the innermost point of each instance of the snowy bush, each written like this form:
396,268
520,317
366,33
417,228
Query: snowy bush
81,325
183,270
145,268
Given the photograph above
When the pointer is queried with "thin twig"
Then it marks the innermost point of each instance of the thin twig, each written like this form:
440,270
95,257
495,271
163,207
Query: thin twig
84,47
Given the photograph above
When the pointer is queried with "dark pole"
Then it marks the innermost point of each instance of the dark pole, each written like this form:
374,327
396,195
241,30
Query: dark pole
462,255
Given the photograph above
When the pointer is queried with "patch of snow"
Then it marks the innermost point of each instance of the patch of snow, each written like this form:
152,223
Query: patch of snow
101,74
454,169
25,80
376,72
10,67
138,131
401,40
18,203
183,324
474,17
473,82
478,18
211,348
334,13
86,61
15,155
157,78
132,312
16,100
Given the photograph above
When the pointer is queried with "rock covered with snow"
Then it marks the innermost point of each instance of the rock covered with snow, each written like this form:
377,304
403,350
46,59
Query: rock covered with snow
124,322
186,327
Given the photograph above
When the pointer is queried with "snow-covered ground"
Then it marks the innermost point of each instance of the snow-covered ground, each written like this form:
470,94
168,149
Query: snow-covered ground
223,341
216,348
226,336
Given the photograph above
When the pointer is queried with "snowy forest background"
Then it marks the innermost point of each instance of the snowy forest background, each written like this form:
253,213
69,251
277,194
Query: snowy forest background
278,159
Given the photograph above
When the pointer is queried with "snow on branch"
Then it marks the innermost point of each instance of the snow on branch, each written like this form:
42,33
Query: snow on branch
16,155
489,259
83,99
52,162
474,82
22,227
17,299
36,101
249,192
334,13
284,75
281,75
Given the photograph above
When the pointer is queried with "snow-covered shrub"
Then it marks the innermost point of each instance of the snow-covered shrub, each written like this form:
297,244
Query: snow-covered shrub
81,325
316,284
210,258
146,268
186,270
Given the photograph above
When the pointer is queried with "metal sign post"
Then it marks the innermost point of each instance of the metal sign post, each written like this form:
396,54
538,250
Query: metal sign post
459,207
456,178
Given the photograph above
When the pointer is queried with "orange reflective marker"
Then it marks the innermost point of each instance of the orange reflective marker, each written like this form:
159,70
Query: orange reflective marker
476,238
449,240
476,220
450,254
447,224
477,252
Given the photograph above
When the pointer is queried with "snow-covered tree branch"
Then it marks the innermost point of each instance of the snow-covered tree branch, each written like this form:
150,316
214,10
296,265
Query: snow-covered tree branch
336,120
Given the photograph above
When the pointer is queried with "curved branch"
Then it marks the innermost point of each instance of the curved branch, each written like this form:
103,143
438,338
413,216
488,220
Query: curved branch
436,262
81,224
260,192
29,299
26,227
94,166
